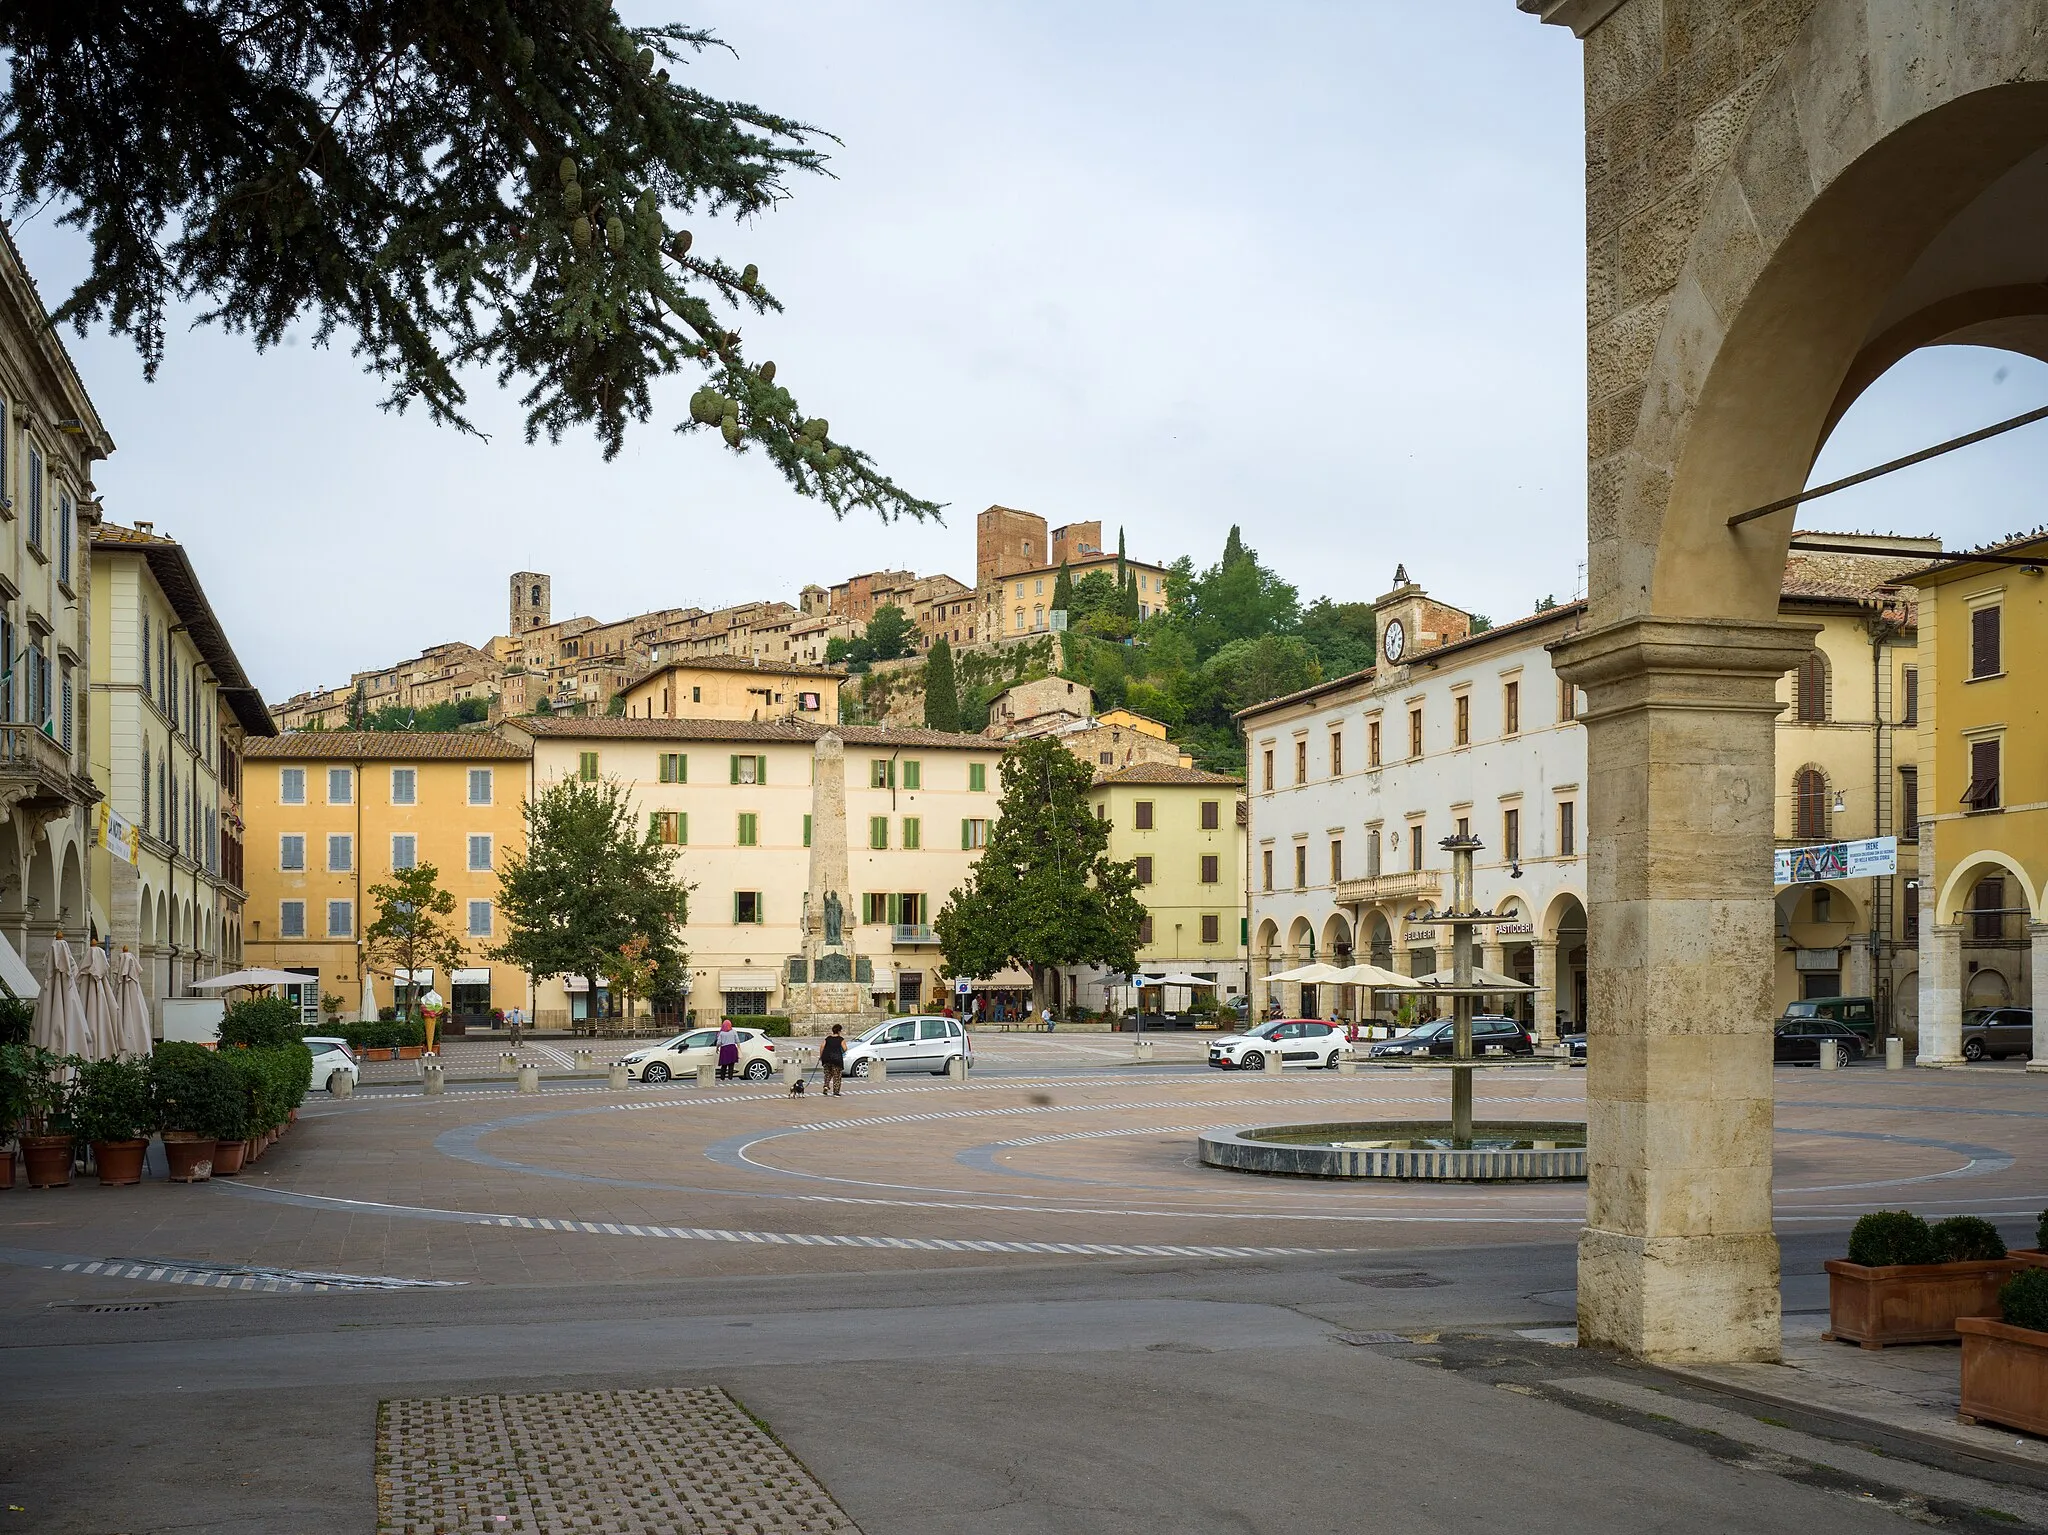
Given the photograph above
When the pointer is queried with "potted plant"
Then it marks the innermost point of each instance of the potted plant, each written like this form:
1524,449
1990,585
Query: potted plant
1907,1282
2037,1255
2005,1360
45,1089
14,1065
195,1094
116,1114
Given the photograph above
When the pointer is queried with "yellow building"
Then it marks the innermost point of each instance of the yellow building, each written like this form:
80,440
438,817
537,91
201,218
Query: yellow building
1984,811
735,688
1182,826
333,813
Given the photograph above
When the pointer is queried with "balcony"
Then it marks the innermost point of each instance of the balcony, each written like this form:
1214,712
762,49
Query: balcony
1408,885
913,935
35,773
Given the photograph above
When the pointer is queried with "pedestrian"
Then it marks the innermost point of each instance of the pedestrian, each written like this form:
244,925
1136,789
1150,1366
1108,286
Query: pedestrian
1046,1016
728,1050
832,1058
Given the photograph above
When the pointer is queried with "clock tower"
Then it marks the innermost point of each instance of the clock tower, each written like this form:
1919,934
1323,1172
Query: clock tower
1409,624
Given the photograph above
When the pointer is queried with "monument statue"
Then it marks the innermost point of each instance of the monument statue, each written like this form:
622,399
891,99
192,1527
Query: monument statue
834,919
837,978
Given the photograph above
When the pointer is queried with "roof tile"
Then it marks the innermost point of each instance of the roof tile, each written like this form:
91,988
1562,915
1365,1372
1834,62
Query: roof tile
391,746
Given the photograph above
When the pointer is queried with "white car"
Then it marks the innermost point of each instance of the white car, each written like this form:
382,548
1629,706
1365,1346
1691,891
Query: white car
1300,1041
911,1044
699,1049
329,1056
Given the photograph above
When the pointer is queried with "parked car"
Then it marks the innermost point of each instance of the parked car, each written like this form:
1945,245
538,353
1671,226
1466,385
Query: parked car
329,1056
1997,1032
1859,1013
1797,1042
699,1048
1307,1041
1491,1035
1574,1045
923,1043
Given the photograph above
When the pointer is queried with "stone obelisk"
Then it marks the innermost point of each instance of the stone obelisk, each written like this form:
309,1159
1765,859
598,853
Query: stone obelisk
832,992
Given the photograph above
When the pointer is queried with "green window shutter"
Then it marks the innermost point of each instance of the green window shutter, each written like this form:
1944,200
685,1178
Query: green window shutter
736,906
750,834
735,769
682,827
586,766
913,775
654,824
966,835
913,832
760,770
682,768
895,908
807,831
878,831
977,777
760,907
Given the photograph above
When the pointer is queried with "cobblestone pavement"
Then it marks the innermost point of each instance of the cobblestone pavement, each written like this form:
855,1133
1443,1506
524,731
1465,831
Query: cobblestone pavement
676,1462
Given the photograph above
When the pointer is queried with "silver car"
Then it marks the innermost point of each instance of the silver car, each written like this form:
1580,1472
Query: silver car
924,1043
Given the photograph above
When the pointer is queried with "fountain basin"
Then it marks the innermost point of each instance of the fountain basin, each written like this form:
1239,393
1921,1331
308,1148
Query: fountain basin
1500,1151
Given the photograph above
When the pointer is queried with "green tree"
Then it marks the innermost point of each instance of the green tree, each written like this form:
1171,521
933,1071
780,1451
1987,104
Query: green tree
1342,635
590,880
414,927
1235,599
491,186
1247,672
941,692
889,634
1063,591
1045,892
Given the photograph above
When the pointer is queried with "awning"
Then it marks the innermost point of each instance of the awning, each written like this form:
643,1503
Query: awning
576,983
885,980
749,980
470,978
413,977
15,975
1006,980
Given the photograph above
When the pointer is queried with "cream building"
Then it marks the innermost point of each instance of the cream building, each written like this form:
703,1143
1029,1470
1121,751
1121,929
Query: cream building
735,797
730,688
171,709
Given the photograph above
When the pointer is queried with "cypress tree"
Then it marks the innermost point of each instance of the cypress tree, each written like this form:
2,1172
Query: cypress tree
1063,589
941,693
1121,573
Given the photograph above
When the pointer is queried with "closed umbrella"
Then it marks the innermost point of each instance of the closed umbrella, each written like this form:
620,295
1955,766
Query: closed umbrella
60,1016
96,998
131,1005
367,1013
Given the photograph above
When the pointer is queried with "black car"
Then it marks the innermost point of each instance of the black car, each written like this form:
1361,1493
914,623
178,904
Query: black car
1797,1041
1574,1045
1490,1036
1998,1032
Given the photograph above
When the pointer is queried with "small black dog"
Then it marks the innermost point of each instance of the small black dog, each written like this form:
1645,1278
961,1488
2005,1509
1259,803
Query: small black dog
796,1088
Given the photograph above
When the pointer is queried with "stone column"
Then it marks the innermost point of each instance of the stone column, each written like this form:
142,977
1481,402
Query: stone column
1546,990
2037,934
1677,1260
1941,995
1857,976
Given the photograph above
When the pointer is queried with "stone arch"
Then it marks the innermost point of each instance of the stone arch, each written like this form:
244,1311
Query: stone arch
1567,908
1812,793
1820,902
1379,940
71,908
1336,939
1268,937
1987,986
1301,938
145,935
1954,899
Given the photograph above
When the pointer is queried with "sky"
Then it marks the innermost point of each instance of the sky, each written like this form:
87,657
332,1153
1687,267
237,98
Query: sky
1314,269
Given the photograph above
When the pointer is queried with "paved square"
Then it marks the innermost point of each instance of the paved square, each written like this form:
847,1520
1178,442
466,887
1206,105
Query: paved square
670,1461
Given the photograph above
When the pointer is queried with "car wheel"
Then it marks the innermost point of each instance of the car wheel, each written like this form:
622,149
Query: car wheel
759,1071
1973,1050
1251,1060
654,1071
859,1068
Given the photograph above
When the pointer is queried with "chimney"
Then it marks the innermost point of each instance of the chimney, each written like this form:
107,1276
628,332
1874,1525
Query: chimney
145,527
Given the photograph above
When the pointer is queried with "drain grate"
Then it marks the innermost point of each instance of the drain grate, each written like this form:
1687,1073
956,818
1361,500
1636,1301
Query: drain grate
1362,1339
106,1308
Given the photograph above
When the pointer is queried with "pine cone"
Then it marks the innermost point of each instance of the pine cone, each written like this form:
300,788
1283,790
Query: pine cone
834,458
816,428
580,233
525,50
750,275
767,372
572,199
707,406
568,170
615,232
730,427
681,244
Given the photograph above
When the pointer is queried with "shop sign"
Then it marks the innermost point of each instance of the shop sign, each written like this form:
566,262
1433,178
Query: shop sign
1836,860
1515,929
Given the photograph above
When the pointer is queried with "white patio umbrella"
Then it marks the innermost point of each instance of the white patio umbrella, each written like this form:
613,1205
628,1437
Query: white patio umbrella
367,1012
60,1015
238,978
1177,980
96,997
1443,980
1370,976
1316,974
131,1005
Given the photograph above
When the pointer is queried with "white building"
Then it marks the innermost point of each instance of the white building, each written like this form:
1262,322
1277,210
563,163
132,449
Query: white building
1356,782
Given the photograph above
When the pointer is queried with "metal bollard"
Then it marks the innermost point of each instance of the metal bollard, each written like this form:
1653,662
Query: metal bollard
1273,1061
342,1084
1830,1055
617,1077
435,1079
878,1070
1895,1054
529,1079
1144,1052
956,1069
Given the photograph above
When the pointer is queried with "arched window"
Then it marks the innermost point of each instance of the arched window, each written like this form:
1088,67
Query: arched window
1812,689
1810,799
535,598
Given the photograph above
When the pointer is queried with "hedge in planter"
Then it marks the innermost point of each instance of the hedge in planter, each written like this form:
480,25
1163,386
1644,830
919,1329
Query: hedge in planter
39,1084
2005,1359
262,1023
1908,1282
116,1113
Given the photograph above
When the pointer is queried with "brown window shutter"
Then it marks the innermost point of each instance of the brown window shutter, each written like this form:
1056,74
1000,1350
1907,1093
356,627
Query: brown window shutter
1984,659
1983,791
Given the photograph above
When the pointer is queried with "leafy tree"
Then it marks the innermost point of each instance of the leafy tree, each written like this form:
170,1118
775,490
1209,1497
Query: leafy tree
836,650
359,709
413,929
1342,634
630,971
490,186
433,718
589,882
1481,623
1094,598
1247,672
1045,892
889,634
1235,599
616,708
1063,591
941,692
1546,603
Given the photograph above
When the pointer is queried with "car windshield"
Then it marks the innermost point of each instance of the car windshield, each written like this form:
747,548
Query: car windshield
878,1033
1977,1016
1268,1030
1427,1030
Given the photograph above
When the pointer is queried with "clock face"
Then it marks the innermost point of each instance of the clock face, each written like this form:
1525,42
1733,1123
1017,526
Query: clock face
1396,640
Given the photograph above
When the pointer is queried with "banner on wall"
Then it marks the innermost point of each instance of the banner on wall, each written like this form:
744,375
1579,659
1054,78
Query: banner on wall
119,835
1863,859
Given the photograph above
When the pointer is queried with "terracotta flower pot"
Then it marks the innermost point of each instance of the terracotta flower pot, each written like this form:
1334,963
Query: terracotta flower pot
190,1156
410,1052
1910,1302
2005,1374
119,1162
228,1157
2032,1257
7,1168
49,1160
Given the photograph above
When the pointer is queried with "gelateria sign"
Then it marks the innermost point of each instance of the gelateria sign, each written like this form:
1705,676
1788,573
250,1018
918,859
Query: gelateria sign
1837,860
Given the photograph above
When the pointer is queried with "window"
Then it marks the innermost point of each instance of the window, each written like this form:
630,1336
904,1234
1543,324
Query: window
291,853
1567,829
341,919
1909,804
1336,754
1461,718
1372,852
341,786
1301,762
1266,868
749,769
65,712
878,831
1145,929
1266,779
479,919
1212,927
1372,744
1984,772
696,695
1511,709
1987,905
881,773
1301,866
913,775
65,537
479,852
874,907
1823,905
480,786
977,777
1414,732
750,829
1810,689
1909,913
1567,702
404,851
1511,835
1141,814
35,497
341,853
291,786
913,832
405,786
1144,862
1909,695
1212,815
1985,654
1336,861
586,766
973,834
668,827
675,767
747,907
807,831
1810,805
291,919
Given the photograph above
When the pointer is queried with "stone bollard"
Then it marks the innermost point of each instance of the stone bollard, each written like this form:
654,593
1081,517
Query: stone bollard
694,1075
617,1077
956,1069
792,1068
1143,1054
1895,1054
1347,1065
585,1060
435,1079
508,1062
1274,1065
1830,1055
878,1070
342,1084
529,1079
